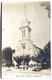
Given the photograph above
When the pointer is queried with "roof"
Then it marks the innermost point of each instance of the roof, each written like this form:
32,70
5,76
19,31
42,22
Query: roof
37,47
26,26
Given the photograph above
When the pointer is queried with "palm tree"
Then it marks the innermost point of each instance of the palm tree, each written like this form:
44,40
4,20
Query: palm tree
18,60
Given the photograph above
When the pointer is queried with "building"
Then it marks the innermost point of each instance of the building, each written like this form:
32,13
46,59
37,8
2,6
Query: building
26,46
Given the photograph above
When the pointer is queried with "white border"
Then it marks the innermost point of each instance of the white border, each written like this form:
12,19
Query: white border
23,0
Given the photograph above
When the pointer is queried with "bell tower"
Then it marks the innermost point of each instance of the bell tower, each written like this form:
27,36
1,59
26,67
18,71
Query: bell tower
25,41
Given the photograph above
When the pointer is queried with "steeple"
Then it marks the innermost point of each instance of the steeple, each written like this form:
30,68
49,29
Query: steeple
25,13
25,29
25,21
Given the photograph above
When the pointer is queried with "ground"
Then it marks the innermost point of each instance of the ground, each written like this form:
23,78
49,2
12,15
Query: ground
15,72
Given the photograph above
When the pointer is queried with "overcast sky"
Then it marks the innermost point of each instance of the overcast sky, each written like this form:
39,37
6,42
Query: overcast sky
13,14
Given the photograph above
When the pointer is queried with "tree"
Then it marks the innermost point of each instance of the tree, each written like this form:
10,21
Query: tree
38,57
47,55
43,56
26,59
18,60
7,55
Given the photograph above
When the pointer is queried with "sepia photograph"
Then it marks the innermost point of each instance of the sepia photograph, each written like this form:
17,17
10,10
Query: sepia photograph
26,39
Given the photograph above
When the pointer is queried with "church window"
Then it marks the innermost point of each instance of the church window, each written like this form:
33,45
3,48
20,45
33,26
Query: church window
24,33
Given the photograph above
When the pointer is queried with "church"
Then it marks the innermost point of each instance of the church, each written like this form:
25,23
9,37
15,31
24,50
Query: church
26,46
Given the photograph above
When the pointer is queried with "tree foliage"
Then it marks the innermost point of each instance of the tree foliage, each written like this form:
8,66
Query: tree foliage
7,55
18,60
44,56
27,59
47,54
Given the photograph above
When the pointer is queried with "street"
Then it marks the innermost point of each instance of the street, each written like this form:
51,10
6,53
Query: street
15,72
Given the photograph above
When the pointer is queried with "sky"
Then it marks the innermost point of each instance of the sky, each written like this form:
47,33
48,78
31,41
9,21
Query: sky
12,16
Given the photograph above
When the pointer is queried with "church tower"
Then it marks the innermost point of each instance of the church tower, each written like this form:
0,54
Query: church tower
25,42
25,27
